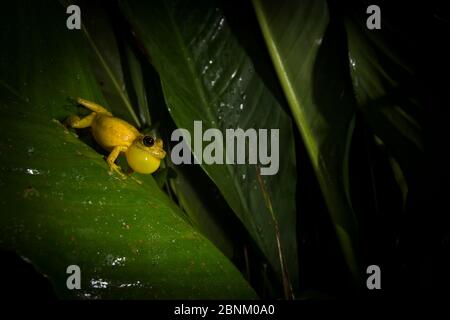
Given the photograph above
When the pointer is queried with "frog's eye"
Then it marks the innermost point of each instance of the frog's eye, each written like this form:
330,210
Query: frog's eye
148,141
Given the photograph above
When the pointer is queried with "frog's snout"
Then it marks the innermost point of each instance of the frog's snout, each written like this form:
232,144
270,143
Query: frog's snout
159,150
159,143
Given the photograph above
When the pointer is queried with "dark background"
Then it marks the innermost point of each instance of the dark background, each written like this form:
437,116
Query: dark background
411,246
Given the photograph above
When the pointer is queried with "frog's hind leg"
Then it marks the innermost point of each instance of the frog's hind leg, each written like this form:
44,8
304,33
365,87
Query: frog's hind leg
93,106
76,122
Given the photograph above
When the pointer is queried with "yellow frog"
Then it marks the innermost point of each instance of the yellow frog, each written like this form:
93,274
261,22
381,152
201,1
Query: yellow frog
143,152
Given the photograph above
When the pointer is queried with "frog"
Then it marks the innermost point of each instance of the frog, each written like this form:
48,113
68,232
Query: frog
143,152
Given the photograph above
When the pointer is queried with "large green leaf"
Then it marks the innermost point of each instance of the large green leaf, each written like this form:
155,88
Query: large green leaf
207,75
304,47
387,92
59,206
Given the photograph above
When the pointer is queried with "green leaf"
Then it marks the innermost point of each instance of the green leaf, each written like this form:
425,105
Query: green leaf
59,205
386,92
304,47
207,75
201,205
137,80
106,60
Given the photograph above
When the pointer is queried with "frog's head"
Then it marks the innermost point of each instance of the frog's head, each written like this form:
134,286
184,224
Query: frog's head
145,154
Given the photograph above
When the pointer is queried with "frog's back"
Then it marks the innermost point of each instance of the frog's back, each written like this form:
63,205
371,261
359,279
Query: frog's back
110,132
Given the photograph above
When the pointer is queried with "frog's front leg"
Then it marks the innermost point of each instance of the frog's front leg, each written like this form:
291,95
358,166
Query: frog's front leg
112,158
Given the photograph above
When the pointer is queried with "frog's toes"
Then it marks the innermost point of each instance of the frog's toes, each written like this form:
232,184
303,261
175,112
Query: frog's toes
72,121
136,180
115,168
